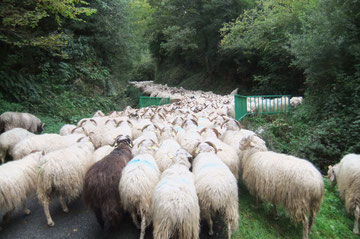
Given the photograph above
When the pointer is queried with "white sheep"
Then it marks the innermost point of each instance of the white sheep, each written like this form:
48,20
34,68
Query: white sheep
224,151
44,142
137,183
220,195
283,179
295,101
165,155
347,176
175,205
67,129
10,138
18,182
101,152
62,172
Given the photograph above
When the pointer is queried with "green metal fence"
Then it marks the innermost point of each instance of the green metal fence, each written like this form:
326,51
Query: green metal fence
146,101
261,104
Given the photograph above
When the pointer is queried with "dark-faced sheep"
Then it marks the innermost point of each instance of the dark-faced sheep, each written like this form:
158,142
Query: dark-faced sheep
101,187
10,120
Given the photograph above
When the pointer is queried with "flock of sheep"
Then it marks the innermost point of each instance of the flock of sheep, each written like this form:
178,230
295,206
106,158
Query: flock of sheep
170,165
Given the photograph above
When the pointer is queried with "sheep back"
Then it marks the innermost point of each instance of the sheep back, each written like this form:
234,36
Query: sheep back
10,120
101,187
63,171
18,181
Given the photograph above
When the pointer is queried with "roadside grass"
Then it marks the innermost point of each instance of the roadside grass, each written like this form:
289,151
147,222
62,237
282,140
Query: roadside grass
331,222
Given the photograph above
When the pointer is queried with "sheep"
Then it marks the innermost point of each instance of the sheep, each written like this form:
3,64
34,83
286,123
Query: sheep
101,152
347,176
137,183
175,205
189,139
220,195
10,120
44,142
18,182
66,129
224,151
167,132
164,156
10,138
283,179
62,172
101,186
295,101
99,113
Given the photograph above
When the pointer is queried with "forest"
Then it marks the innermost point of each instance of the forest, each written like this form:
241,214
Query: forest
64,60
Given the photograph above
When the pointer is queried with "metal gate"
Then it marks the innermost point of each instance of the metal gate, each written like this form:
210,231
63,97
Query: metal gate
146,101
261,104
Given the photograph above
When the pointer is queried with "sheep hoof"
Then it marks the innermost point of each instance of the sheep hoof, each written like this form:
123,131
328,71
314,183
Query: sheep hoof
27,212
66,210
211,233
356,231
51,224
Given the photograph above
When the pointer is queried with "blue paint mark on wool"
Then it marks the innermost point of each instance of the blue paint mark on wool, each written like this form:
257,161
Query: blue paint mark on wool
216,165
143,161
184,180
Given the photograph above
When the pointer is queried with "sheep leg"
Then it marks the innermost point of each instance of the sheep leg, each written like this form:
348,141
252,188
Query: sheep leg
50,222
7,215
257,203
143,225
98,215
2,156
356,223
135,220
26,210
276,216
229,229
63,204
305,227
311,220
210,222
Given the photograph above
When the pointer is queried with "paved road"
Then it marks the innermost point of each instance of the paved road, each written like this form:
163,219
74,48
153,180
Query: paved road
78,223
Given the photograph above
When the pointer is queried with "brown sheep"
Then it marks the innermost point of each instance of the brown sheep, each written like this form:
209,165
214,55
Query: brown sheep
101,187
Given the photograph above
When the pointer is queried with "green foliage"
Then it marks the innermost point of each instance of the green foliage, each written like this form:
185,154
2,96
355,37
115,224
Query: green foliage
178,41
20,18
260,37
185,35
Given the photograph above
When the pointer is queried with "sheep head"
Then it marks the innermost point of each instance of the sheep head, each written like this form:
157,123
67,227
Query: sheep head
123,139
40,128
332,174
252,142
205,147
183,157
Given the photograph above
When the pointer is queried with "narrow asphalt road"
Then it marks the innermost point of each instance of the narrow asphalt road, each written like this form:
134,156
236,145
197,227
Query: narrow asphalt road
80,222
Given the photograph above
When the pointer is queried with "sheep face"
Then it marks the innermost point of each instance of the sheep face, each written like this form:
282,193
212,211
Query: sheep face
205,147
183,157
123,139
332,175
40,128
